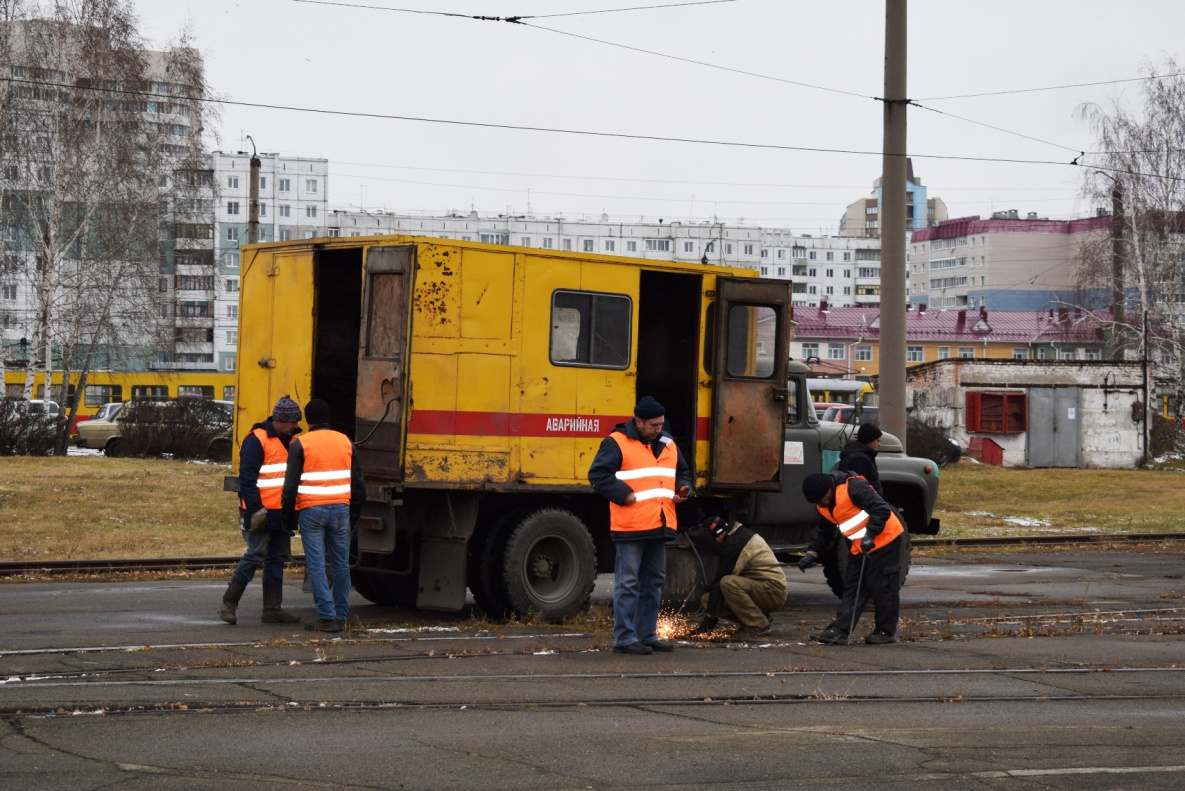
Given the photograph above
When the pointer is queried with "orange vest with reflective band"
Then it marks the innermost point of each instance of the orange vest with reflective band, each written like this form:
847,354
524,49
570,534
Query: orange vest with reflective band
325,479
653,482
271,474
852,520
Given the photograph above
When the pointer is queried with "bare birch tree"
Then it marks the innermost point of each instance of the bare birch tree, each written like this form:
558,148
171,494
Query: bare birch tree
1140,168
94,127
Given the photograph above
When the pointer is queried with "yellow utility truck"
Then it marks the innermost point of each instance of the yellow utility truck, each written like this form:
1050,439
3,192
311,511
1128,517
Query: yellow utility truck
478,380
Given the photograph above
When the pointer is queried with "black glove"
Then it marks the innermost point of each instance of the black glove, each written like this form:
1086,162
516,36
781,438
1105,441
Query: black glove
867,543
808,560
706,625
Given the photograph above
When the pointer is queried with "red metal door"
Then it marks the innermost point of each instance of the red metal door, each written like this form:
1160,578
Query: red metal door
752,347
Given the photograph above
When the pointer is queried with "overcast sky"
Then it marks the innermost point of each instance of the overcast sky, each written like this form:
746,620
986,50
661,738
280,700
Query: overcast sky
302,54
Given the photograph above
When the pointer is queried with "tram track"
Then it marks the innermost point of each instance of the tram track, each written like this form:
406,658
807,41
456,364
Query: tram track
214,562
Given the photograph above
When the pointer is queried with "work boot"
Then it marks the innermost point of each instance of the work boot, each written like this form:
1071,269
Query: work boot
273,594
661,646
880,637
324,625
831,636
752,633
230,600
633,648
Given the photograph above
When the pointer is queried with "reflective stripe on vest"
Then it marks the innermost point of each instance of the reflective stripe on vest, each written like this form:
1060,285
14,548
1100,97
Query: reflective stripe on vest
852,520
652,481
325,479
271,474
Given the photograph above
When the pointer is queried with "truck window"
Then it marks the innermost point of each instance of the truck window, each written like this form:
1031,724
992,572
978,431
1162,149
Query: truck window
590,329
752,334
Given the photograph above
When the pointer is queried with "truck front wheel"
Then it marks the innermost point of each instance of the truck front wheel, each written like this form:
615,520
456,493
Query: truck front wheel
550,565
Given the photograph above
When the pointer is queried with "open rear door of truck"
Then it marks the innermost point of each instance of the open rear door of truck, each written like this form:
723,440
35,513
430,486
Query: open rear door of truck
382,359
752,346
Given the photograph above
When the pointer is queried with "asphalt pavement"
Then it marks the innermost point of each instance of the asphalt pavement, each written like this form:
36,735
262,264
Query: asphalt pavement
1055,669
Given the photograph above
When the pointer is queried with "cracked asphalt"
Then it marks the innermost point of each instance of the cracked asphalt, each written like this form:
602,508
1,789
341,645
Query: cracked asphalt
1044,670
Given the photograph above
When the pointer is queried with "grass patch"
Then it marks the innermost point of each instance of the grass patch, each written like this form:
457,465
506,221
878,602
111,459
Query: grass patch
76,507
978,500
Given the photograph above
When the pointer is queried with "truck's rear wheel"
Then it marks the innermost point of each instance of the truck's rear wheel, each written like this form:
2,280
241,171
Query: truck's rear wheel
487,561
550,565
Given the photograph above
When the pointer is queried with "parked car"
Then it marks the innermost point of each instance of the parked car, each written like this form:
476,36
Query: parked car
922,439
98,432
41,406
821,408
846,413
27,428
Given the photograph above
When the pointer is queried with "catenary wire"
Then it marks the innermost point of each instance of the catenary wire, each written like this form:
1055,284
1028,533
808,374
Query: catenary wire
512,18
1050,87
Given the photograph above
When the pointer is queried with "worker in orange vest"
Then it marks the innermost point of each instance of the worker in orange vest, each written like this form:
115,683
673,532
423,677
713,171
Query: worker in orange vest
642,474
850,510
324,493
263,458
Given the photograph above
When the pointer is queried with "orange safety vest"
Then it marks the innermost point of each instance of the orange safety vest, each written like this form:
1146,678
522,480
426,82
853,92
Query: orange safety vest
271,474
653,482
325,479
852,520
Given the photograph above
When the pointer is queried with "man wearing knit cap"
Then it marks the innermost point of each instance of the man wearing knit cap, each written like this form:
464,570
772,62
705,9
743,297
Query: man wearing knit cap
859,456
642,474
850,508
324,492
263,458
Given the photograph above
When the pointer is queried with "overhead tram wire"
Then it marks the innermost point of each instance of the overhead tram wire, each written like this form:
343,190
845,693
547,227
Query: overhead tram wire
1050,88
513,19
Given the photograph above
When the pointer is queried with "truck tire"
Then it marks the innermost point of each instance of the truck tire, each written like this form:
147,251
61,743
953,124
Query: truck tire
487,561
551,565
835,562
386,589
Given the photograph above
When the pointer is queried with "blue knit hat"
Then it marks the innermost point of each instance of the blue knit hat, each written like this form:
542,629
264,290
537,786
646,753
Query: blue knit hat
648,408
286,410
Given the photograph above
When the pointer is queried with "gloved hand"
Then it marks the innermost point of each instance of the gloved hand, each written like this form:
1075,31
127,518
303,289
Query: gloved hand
259,521
706,625
808,560
867,543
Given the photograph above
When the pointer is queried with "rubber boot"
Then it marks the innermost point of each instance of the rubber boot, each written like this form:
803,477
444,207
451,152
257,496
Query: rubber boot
273,594
230,600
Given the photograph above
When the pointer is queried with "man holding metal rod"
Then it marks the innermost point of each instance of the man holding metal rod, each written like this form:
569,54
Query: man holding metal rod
847,504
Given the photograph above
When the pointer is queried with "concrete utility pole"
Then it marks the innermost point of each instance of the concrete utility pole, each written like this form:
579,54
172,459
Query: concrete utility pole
253,197
892,219
1117,294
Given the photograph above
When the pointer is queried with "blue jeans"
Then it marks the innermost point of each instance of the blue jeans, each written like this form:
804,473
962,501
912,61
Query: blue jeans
326,529
638,574
268,551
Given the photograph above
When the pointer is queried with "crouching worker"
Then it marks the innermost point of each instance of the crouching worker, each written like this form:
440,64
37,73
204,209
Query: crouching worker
262,461
847,504
749,582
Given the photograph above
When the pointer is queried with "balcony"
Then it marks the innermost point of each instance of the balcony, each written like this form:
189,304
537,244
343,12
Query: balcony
868,299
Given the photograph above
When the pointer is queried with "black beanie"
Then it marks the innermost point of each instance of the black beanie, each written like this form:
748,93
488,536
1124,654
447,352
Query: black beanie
815,486
648,409
868,432
316,411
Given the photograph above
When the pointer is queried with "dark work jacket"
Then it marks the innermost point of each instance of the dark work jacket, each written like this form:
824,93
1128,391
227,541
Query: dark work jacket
603,476
859,458
861,495
250,460
292,481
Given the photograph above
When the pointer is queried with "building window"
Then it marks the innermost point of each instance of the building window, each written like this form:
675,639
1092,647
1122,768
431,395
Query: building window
835,351
1097,354
9,292
943,352
915,354
782,255
263,182
228,364
232,234
748,249
590,329
765,253
997,413
228,393
195,391
310,185
284,185
149,391
232,311
811,255
689,247
847,256
494,238
232,337
830,256
863,354
232,207
661,245
966,352
285,210
588,245
610,245
1067,354
810,350
728,249
631,247
847,291
524,241
765,271
1040,352
310,211
262,209
567,244
829,290
285,235
1020,353
232,182
548,243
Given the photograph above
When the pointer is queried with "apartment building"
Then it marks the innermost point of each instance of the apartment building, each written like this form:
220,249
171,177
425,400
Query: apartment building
863,217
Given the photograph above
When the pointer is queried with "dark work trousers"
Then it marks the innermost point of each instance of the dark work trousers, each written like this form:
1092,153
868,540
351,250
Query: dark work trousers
881,583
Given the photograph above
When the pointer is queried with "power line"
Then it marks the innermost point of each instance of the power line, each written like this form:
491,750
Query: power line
635,8
1050,87
543,129
513,19
997,128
